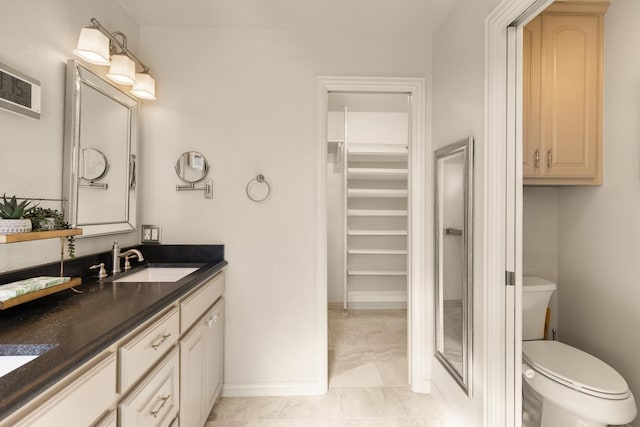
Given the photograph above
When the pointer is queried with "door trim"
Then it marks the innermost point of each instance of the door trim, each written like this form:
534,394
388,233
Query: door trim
503,244
419,279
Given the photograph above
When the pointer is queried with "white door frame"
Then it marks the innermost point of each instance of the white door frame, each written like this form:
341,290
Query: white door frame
419,278
503,209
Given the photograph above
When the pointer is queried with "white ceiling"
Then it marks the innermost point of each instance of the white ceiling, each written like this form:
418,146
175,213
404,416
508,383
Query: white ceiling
368,16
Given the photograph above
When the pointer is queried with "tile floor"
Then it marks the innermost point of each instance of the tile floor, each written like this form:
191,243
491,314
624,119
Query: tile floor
368,384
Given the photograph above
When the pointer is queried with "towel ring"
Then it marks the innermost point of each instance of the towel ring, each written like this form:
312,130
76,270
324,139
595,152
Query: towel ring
260,180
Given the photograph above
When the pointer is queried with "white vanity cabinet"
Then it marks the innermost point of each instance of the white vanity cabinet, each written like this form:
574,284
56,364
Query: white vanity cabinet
165,373
139,354
154,402
201,367
80,402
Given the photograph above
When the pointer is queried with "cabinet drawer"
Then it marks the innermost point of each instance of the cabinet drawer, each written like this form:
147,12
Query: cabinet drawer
147,347
154,402
82,401
109,420
197,303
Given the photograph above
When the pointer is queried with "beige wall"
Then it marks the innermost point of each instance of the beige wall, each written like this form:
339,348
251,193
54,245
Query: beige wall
540,238
246,100
599,245
38,37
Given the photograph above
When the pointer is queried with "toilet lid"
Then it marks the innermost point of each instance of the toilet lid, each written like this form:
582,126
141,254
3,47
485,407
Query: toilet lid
575,368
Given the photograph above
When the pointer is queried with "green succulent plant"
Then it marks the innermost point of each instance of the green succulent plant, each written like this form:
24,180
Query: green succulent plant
11,209
37,216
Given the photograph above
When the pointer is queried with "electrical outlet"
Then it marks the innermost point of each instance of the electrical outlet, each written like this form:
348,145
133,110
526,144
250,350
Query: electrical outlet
151,233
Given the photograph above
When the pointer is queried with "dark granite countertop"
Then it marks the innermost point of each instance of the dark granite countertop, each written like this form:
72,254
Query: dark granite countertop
71,327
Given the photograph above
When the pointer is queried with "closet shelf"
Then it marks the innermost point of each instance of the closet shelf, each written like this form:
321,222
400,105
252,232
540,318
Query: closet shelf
378,173
375,273
377,232
376,212
377,193
378,152
377,251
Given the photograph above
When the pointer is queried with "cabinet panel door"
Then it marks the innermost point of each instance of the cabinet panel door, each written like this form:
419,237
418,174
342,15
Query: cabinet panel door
214,354
81,402
531,41
571,95
192,376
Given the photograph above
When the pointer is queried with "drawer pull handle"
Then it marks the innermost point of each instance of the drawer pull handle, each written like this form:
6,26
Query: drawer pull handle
159,343
211,320
536,159
164,402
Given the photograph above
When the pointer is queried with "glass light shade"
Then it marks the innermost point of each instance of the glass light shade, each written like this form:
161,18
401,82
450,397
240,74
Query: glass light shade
123,69
144,87
93,46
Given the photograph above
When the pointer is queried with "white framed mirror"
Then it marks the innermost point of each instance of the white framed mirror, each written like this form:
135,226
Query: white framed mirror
100,136
453,206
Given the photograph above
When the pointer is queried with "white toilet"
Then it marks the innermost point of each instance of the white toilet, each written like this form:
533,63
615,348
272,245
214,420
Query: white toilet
575,388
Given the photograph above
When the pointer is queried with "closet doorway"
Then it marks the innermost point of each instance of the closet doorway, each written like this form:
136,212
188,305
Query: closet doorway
372,220
367,225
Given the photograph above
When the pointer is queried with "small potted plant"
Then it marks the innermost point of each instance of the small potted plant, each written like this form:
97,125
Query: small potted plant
45,219
12,215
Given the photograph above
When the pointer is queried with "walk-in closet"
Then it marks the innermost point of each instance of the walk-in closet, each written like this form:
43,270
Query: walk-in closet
368,234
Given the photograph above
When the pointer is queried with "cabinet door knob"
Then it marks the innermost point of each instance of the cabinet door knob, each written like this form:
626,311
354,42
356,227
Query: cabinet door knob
549,158
536,158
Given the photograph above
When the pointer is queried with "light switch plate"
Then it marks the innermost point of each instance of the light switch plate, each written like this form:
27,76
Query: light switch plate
151,233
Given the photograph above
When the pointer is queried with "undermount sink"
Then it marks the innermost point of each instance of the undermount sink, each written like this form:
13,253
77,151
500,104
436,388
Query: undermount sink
12,356
158,274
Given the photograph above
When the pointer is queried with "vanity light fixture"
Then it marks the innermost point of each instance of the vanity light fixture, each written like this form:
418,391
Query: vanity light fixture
122,69
144,87
93,46
99,46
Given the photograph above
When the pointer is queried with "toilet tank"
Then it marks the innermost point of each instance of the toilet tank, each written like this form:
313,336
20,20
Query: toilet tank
536,293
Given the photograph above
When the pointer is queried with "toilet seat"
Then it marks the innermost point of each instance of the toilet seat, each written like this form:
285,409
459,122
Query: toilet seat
575,369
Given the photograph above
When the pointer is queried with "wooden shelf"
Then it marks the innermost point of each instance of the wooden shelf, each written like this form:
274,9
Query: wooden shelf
39,235
75,281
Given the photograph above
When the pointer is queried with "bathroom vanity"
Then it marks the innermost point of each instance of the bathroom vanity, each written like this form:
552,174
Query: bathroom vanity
122,353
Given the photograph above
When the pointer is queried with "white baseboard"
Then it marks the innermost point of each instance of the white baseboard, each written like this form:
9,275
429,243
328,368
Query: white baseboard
423,386
270,389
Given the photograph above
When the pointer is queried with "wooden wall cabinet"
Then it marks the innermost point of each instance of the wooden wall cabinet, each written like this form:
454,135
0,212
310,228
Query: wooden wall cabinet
562,94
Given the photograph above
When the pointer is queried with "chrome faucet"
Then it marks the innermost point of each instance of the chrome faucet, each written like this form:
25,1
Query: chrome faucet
115,250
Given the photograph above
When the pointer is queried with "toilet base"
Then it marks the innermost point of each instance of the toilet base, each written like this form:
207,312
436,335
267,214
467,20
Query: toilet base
553,416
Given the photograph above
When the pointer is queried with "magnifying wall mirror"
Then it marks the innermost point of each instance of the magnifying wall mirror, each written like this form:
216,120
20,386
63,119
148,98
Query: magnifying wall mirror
100,141
453,259
93,164
192,167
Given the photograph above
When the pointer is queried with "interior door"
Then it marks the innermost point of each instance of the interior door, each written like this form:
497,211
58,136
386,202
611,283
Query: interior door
513,232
